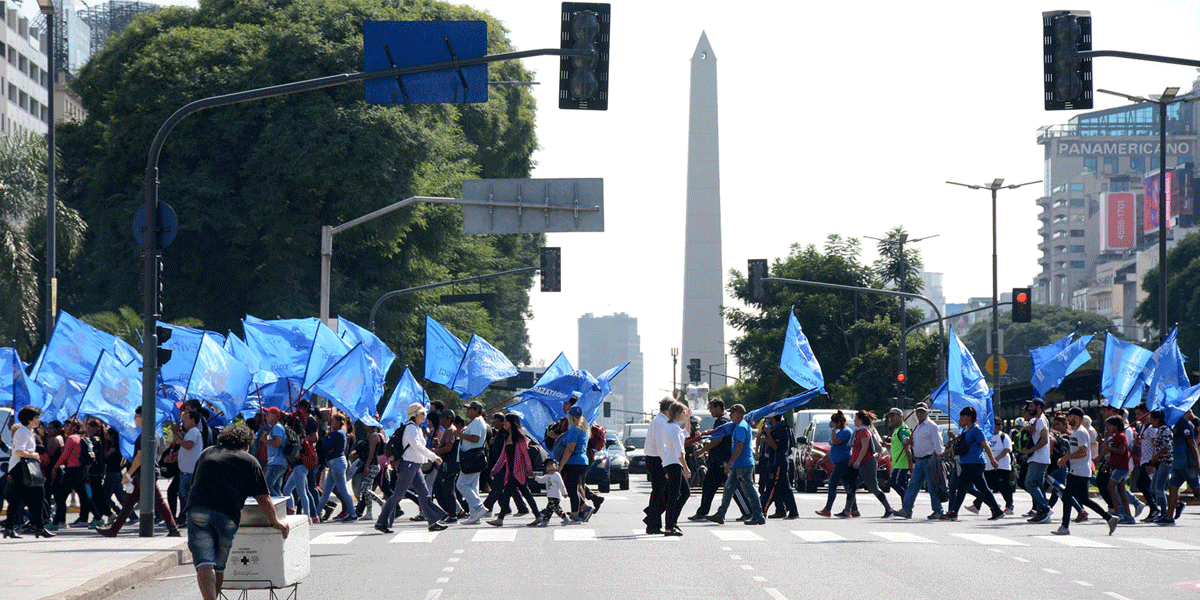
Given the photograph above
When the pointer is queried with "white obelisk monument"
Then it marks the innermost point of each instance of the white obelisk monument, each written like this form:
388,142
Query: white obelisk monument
703,328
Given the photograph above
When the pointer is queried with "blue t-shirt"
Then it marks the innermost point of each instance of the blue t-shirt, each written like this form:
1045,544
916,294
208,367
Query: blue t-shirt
579,454
275,453
741,433
974,439
1183,432
841,452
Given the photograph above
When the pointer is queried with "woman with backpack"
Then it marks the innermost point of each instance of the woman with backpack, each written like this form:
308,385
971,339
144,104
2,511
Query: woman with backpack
297,480
334,445
972,448
864,460
514,467
70,472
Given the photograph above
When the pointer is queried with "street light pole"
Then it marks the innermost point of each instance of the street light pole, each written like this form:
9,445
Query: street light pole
674,371
995,186
901,357
47,8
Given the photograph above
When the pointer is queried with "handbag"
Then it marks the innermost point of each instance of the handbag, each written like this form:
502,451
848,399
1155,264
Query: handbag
31,473
473,461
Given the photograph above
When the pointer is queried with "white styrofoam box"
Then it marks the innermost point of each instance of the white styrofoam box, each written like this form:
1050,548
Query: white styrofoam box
261,558
252,515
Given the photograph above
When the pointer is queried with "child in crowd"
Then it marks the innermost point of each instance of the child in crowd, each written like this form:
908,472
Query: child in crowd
554,493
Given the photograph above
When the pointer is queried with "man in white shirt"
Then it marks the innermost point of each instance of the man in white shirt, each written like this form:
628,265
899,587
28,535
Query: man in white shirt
1080,462
189,451
1039,459
412,454
655,436
925,444
471,437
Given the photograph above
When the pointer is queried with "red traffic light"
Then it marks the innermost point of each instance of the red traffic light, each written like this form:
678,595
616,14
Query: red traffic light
1022,298
901,377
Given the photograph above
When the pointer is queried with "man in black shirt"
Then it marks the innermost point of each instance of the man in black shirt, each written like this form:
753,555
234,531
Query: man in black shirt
719,451
226,474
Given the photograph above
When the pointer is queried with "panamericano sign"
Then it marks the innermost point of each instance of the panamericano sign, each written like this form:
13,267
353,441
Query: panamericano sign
1120,148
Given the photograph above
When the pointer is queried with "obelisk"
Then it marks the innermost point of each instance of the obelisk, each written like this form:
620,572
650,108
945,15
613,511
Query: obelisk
703,328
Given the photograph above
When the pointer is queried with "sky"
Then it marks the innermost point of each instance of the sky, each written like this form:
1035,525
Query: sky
843,118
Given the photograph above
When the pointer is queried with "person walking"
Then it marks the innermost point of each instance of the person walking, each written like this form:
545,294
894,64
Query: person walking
555,488
1161,462
70,474
190,447
654,471
225,475
778,438
999,475
925,446
840,444
515,468
739,470
716,453
131,499
1183,466
334,445
408,446
865,458
25,475
901,453
272,435
1114,454
575,463
971,446
1038,459
1079,462
472,460
297,479
100,503
675,467
498,437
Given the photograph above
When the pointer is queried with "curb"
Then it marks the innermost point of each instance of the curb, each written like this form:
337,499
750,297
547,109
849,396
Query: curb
148,568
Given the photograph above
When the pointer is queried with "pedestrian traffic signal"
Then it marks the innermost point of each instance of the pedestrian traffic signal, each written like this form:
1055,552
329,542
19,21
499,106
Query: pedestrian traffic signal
607,409
1022,310
551,267
583,81
694,370
161,335
1068,76
901,381
756,271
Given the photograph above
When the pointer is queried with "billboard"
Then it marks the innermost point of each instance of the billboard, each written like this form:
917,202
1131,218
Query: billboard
1150,206
1120,220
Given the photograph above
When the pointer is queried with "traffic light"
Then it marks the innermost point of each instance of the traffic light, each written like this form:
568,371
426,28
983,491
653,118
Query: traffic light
756,271
1022,310
583,81
551,267
1068,76
607,409
901,382
161,335
694,370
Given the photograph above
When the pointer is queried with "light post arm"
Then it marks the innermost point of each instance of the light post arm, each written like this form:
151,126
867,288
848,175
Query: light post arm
430,286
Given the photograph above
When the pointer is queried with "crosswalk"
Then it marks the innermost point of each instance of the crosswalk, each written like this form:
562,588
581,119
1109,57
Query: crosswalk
731,535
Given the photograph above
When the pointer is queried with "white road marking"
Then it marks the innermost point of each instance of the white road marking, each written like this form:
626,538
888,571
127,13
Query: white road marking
996,550
774,593
454,560
1019,559
443,580
642,535
987,539
737,536
414,537
819,536
734,557
1083,583
459,551
902,537
1115,595
335,537
1162,544
574,535
726,548
447,569
1072,541
747,568
758,578
1052,571
495,535
433,595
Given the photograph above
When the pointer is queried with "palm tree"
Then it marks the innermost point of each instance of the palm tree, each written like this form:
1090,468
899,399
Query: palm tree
22,218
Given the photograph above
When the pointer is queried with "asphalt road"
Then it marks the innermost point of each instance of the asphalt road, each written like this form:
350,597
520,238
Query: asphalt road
610,557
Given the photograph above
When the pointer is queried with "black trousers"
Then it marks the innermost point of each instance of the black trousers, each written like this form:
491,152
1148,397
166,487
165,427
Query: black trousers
971,480
1077,489
21,496
779,491
573,478
443,491
677,494
497,490
658,493
714,479
1000,481
73,479
1143,485
515,489
1102,479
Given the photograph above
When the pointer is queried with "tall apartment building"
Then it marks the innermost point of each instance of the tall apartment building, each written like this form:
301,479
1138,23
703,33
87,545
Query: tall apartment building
23,76
605,342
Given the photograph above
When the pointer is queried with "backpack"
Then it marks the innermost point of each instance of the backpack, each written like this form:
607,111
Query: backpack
87,451
308,456
395,445
291,445
596,441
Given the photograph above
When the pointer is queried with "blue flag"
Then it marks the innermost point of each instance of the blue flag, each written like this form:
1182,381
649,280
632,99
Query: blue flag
381,356
16,390
175,373
219,378
67,365
407,391
482,365
536,416
281,346
965,386
1049,373
350,386
325,350
112,395
797,359
561,366
443,353
1177,401
1045,354
1123,364
779,407
1164,369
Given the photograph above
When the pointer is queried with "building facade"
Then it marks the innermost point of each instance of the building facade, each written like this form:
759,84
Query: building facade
608,341
23,76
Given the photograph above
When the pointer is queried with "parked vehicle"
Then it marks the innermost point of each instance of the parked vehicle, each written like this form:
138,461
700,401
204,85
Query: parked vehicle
610,466
810,459
635,449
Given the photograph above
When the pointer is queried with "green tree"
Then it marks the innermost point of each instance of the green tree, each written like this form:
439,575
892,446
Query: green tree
253,183
1183,293
1049,324
23,239
126,323
900,269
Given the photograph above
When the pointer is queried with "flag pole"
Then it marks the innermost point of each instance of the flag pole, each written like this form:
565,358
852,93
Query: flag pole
498,405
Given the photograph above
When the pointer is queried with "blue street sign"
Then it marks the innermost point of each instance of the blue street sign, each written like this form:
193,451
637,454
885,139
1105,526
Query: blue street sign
392,44
168,225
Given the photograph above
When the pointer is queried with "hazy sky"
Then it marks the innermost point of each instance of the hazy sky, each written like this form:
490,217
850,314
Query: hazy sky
834,118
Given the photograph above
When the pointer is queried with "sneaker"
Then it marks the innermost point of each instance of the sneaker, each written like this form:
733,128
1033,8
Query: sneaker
1008,510
1083,517
936,516
597,501
1152,517
951,516
824,512
1137,510
544,523
382,529
1030,514
698,517
569,521
903,514
1128,520
349,518
972,509
1061,531
79,523
996,515
716,519
472,520
1042,518
98,523
437,527
1113,521
451,520
585,513
1178,509
888,513
1166,522
493,522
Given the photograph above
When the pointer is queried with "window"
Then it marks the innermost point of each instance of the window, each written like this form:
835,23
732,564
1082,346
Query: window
1104,187
1137,164
23,64
1120,186
1078,233
1077,203
1089,163
1077,264
1077,187
1078,218
1112,164
1076,249
1154,162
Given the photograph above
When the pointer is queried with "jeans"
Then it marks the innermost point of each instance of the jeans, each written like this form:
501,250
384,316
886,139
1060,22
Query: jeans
1158,483
185,488
409,475
741,478
468,486
919,480
298,482
210,537
1182,475
843,474
335,480
1035,476
274,477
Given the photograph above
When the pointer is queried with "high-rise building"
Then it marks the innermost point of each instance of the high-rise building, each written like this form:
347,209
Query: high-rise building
608,341
703,325
23,76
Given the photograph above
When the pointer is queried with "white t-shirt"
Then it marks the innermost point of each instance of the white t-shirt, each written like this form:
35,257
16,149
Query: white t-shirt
555,488
1041,428
22,439
188,458
1093,443
1081,466
999,443
655,434
672,444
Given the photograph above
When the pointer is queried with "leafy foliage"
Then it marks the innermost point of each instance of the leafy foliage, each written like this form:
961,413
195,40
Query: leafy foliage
1183,293
1049,324
253,183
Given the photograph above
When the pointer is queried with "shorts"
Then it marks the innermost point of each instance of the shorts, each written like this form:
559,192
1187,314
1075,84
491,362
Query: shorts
1119,475
1185,474
210,537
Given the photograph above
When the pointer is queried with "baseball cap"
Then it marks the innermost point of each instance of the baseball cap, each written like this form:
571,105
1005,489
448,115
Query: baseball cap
575,411
1037,402
447,414
922,406
1075,410
414,409
271,410
896,411
475,404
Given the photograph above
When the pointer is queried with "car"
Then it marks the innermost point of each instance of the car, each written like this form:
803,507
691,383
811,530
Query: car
610,466
810,458
635,450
